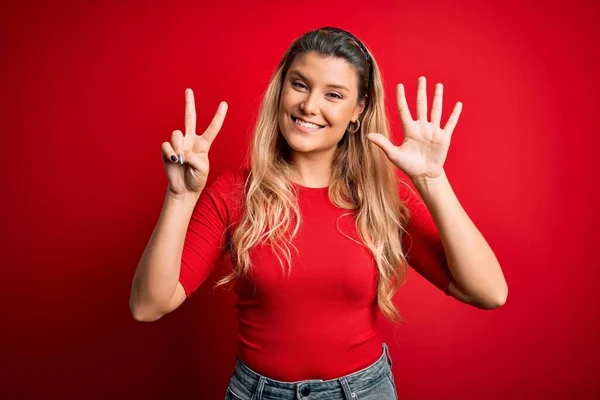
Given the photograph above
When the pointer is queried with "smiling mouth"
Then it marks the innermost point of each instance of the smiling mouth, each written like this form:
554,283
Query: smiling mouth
305,124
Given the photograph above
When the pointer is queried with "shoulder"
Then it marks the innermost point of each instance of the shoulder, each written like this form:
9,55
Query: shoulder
406,190
226,192
229,182
410,197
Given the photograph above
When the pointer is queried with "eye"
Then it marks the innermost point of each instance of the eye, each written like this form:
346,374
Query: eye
301,85
298,84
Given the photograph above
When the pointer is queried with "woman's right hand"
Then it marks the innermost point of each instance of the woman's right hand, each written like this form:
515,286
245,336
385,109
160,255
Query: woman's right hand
191,175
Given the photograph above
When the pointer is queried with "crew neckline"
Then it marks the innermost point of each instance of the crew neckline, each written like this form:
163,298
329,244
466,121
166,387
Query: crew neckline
311,189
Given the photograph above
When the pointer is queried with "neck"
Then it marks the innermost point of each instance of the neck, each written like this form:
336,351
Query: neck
310,171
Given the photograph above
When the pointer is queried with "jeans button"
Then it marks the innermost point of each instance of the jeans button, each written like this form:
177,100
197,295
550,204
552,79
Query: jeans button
305,391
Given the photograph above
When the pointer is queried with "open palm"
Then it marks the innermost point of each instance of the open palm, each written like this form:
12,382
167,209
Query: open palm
423,152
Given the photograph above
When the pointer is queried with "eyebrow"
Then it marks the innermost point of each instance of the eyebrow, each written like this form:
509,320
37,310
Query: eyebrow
333,85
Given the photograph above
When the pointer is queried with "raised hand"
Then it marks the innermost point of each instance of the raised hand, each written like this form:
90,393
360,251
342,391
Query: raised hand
186,157
423,152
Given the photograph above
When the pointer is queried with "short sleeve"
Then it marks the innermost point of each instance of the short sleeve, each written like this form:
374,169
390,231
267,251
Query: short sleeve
423,245
206,236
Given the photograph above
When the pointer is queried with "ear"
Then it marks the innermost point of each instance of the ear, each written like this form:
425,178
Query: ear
360,107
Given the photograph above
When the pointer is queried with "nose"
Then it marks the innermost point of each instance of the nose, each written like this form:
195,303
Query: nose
310,104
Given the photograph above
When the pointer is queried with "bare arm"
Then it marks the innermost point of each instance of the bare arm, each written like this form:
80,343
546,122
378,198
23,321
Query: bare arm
156,290
478,277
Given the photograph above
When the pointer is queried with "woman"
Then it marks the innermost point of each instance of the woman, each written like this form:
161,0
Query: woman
318,226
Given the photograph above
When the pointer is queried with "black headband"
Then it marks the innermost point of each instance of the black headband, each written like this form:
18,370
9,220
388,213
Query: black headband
353,38
362,48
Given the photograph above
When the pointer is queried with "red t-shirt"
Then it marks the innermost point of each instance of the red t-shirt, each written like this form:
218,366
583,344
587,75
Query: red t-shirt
320,322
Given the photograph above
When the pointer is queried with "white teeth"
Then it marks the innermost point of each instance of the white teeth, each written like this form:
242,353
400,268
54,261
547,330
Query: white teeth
306,124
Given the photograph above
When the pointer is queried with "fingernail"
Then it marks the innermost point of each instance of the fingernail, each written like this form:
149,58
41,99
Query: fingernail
181,158
174,158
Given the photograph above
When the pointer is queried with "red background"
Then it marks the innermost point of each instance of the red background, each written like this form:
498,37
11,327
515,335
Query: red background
90,91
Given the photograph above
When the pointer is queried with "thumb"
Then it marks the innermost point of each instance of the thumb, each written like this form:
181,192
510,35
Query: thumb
383,142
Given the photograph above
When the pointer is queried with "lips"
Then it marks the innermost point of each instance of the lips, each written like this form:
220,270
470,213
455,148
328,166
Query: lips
294,118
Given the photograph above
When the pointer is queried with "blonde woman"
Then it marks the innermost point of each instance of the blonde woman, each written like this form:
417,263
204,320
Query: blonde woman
318,226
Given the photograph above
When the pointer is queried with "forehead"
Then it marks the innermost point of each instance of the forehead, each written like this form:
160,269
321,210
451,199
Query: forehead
325,70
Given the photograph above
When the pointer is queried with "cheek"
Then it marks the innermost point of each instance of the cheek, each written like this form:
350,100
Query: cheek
286,103
288,95
337,115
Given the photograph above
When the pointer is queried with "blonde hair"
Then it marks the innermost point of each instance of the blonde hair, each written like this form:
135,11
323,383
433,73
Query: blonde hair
363,179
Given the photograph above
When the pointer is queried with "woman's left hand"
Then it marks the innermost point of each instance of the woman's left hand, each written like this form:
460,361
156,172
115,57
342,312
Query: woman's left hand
423,152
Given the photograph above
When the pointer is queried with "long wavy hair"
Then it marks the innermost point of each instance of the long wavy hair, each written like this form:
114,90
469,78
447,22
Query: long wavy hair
363,180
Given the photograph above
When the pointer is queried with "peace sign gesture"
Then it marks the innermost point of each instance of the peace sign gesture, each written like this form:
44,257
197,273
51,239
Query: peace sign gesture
186,157
423,152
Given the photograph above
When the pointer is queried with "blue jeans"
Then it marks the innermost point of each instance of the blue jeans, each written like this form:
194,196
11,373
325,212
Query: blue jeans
375,382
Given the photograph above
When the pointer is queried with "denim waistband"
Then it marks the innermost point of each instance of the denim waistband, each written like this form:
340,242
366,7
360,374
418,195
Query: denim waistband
257,383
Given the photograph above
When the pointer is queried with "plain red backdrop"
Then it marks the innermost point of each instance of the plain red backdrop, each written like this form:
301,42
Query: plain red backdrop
90,90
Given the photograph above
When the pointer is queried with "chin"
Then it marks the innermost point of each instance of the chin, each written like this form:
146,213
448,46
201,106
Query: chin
300,145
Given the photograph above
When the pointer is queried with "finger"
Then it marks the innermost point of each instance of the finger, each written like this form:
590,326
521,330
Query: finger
422,99
402,105
169,153
216,123
436,107
201,145
453,120
177,143
383,142
198,161
190,112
